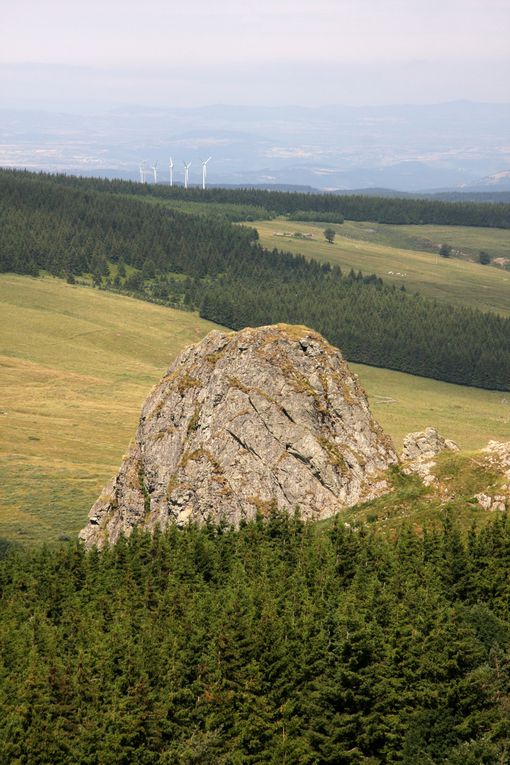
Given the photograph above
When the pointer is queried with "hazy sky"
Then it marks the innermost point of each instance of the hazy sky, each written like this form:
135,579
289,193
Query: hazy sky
102,53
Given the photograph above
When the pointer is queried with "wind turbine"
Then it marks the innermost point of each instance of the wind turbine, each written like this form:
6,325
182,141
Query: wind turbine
186,173
171,166
142,172
204,171
154,170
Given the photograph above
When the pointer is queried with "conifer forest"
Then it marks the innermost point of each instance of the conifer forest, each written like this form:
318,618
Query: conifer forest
282,642
69,226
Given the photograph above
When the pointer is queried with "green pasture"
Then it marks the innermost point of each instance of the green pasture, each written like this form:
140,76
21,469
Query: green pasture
404,403
387,251
76,365
466,241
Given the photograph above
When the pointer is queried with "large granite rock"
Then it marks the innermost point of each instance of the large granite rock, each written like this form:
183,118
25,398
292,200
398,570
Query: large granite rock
242,421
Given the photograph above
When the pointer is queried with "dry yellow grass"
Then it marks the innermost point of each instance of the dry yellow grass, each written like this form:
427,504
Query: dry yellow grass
76,365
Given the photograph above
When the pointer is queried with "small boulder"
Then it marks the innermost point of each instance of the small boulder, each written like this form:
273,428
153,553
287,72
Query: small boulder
425,444
496,503
498,455
419,451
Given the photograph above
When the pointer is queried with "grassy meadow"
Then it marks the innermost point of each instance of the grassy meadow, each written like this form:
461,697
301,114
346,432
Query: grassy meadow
403,403
77,364
392,252
466,241
460,476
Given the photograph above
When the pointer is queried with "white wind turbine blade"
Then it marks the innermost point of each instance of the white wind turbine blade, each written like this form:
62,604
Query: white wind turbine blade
204,171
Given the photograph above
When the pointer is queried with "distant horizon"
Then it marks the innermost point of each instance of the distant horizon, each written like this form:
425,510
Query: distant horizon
409,147
290,105
487,195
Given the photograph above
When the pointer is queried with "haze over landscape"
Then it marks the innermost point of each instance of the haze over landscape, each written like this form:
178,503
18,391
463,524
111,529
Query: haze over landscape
407,95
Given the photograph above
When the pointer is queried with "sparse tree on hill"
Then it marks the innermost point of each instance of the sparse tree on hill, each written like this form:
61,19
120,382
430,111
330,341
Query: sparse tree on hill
445,250
329,234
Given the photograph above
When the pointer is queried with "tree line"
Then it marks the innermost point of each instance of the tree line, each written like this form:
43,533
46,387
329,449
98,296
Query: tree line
395,210
277,643
222,270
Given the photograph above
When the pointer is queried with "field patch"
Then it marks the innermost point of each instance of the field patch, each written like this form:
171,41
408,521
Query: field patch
394,254
403,403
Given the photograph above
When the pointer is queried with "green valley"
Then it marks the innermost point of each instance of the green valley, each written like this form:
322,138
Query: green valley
71,227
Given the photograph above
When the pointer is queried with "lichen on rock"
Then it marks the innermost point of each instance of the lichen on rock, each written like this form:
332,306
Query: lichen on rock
245,421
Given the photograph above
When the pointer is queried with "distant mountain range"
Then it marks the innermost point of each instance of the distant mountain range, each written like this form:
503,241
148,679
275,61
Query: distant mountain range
460,145
453,195
498,181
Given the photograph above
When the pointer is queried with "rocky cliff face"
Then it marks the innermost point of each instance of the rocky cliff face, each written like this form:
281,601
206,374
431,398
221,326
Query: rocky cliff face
239,422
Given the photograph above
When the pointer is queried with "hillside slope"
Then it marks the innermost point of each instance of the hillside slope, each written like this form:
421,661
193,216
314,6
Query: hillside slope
394,253
69,231
77,364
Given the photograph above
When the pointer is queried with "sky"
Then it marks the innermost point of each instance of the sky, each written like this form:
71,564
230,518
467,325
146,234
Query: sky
90,54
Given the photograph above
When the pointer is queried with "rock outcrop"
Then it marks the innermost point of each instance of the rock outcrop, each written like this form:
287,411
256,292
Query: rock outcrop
425,444
496,502
497,458
419,451
240,422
